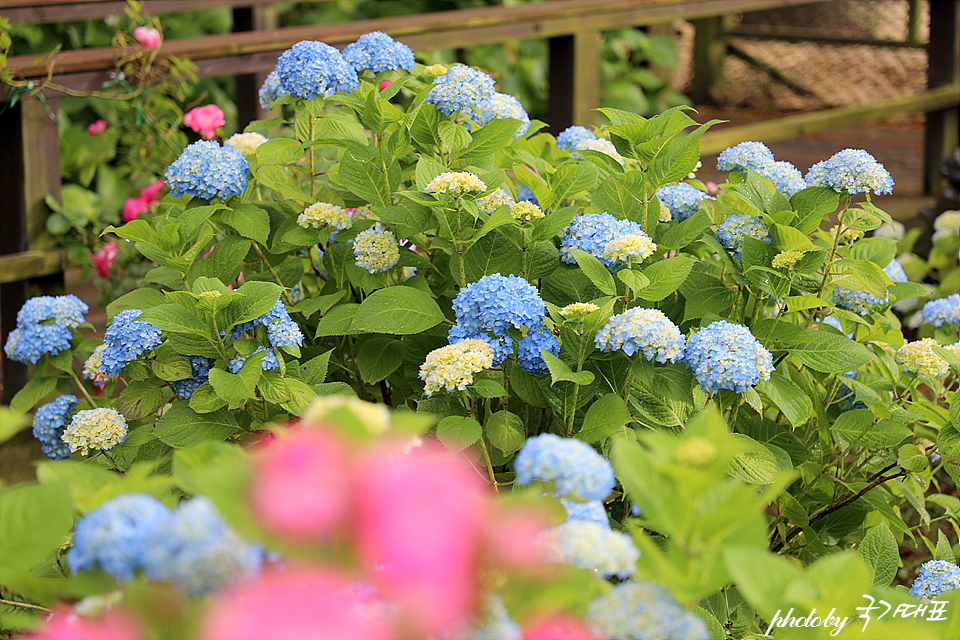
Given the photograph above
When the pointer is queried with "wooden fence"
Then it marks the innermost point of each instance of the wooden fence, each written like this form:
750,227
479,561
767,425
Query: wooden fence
30,162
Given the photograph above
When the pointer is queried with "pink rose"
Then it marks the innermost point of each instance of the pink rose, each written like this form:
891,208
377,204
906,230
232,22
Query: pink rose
204,120
149,38
96,128
151,193
133,207
384,84
104,258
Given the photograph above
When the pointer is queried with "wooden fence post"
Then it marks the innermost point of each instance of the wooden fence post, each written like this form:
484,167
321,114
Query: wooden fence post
942,131
247,86
574,79
709,47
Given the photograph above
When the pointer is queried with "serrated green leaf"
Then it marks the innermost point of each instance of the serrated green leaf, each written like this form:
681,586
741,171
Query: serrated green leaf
182,427
595,270
398,311
881,554
505,431
458,432
560,371
665,277
605,415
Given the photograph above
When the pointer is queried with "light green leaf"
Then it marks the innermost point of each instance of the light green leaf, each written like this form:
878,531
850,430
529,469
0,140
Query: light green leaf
788,397
458,432
505,431
174,318
248,220
665,277
378,358
604,416
880,553
32,393
398,311
829,353
560,371
594,270
34,520
182,427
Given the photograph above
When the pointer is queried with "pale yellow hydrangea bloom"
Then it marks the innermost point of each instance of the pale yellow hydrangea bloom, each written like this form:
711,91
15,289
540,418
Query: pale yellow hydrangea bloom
455,183
492,202
245,143
91,368
376,249
324,214
786,259
375,417
526,211
578,310
436,70
453,366
947,224
95,429
955,348
665,215
603,146
210,294
847,235
636,245
918,357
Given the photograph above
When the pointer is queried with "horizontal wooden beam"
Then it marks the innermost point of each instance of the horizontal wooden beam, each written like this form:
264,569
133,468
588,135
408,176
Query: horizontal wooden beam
791,127
51,11
810,35
31,264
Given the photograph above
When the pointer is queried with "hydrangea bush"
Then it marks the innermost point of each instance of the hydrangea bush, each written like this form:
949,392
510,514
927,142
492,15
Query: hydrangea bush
413,367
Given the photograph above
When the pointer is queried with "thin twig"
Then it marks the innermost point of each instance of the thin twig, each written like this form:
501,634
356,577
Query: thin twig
24,605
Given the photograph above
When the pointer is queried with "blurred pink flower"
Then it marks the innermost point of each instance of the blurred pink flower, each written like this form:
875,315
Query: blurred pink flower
384,84
420,519
96,128
104,258
133,207
558,627
148,37
512,537
712,188
67,625
205,120
302,484
295,603
152,191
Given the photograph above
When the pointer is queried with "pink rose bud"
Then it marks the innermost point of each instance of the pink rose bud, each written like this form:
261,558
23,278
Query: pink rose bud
204,120
96,128
384,84
133,207
151,192
712,187
104,258
149,38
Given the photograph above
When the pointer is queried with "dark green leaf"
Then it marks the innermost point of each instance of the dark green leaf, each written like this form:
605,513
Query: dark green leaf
182,427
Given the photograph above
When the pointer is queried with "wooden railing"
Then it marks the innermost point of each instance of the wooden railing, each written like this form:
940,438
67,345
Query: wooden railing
30,162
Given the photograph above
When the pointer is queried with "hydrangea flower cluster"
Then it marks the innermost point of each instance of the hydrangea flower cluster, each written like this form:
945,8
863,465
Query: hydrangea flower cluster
646,330
309,69
603,146
44,325
270,90
199,372
786,259
324,214
633,246
269,361
746,155
947,224
48,424
525,212
459,88
92,368
191,547
378,52
590,545
936,577
577,471
529,346
941,311
282,331
246,143
853,170
454,365
497,199
578,310
641,611
863,302
592,511
731,232
376,249
503,105
919,357
125,339
494,622
593,233
455,183
101,429
892,230
785,177
682,200
724,355
571,137
207,170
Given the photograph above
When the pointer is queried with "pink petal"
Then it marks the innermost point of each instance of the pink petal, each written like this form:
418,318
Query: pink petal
205,120
559,627
149,38
96,128
133,207
67,625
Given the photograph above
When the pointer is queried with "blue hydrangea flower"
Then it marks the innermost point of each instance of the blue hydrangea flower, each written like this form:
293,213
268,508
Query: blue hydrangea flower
460,88
525,195
681,199
503,105
571,137
528,349
197,551
309,69
282,331
785,177
29,342
125,339
207,170
500,343
269,361
746,155
494,303
646,330
48,424
115,536
586,544
941,311
378,52
270,91
592,232
575,468
863,302
66,311
936,577
494,622
724,355
731,232
592,511
852,169
643,611
200,373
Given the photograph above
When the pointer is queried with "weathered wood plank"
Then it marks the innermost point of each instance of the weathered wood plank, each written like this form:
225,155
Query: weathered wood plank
31,264
50,11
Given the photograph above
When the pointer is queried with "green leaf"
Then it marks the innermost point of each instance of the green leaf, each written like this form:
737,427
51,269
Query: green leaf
11,423
398,311
174,318
488,388
273,387
595,270
604,416
811,205
458,432
633,279
378,358
872,279
494,253
492,137
618,196
142,298
554,223
685,232
338,320
278,151
204,399
32,393
301,397
881,554
248,220
788,397
230,387
573,177
829,353
665,277
705,293
34,520
761,576
756,464
787,238
182,427
368,179
224,262
454,136
944,550
948,440
560,371
912,458
250,301
141,399
505,431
